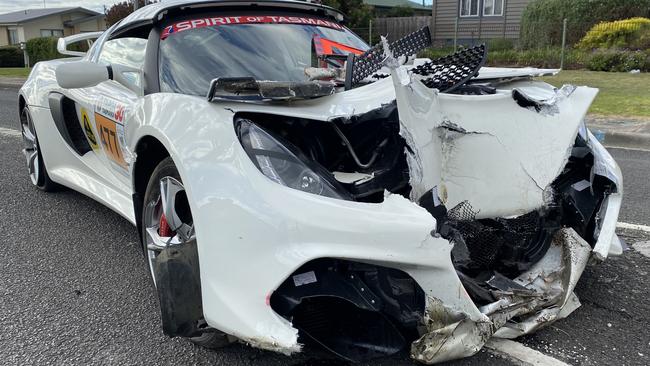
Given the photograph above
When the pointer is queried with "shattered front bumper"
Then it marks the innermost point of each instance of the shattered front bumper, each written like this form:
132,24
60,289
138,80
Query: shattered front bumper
295,228
498,155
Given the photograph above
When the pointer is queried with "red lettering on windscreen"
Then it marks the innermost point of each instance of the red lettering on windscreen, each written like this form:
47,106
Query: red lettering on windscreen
256,19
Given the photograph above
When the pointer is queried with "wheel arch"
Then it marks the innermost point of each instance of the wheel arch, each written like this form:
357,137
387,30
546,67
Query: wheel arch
149,152
21,103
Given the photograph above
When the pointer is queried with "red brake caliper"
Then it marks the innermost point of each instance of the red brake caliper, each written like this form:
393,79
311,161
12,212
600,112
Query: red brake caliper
163,229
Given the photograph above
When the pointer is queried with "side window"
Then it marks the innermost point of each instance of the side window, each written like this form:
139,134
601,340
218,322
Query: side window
128,51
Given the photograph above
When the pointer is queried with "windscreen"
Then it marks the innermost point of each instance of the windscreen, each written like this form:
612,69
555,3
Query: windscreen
266,47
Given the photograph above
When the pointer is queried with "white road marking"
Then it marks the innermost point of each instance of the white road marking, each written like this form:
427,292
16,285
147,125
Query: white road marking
9,132
520,354
625,225
626,148
643,247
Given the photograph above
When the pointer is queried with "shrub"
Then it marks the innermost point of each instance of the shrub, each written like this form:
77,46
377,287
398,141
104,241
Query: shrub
11,56
541,23
618,61
633,33
42,49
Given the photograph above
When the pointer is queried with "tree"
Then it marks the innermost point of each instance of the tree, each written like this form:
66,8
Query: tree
357,13
120,11
401,11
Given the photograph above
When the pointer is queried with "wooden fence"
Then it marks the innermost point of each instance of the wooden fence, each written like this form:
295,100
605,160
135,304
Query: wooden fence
395,28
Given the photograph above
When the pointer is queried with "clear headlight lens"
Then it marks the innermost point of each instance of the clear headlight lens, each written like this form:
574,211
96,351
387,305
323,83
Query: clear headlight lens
281,165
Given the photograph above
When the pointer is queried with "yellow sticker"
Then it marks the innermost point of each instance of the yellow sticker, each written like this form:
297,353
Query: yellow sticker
88,129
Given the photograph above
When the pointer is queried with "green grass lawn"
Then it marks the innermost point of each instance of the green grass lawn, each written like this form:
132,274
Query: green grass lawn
14,71
621,94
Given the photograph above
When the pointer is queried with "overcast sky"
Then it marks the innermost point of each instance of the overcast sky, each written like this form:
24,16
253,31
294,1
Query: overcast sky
97,5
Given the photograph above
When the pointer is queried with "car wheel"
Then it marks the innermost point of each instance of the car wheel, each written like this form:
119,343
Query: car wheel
156,234
31,150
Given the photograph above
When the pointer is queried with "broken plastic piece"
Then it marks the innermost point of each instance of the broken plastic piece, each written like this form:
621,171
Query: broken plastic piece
371,61
247,88
450,72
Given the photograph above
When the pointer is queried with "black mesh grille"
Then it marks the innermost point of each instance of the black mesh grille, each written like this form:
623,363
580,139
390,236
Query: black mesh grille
502,244
370,61
449,72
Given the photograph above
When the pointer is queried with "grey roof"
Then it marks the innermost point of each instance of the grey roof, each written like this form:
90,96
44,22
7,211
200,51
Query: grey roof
24,16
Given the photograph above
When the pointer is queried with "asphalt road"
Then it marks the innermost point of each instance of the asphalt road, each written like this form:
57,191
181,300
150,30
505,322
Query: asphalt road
75,290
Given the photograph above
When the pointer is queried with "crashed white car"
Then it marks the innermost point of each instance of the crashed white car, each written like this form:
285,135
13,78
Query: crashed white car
293,185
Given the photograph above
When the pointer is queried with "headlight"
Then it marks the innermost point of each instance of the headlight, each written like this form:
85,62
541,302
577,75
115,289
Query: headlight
280,164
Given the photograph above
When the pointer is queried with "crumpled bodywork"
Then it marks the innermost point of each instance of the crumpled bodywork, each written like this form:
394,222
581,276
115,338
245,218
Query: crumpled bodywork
545,291
486,152
508,155
502,154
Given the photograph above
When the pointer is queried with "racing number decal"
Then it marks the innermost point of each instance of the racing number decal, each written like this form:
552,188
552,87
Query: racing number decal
107,130
88,130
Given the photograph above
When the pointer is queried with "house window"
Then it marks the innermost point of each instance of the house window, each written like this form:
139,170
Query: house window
13,36
492,8
51,33
469,8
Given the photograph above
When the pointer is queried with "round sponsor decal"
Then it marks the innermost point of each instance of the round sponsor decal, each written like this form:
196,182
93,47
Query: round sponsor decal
88,129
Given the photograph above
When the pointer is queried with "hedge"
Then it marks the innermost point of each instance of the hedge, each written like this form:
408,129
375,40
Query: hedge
541,24
574,59
11,56
42,49
619,61
633,33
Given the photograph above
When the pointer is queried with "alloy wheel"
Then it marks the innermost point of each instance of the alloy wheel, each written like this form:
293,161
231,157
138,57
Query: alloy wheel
30,146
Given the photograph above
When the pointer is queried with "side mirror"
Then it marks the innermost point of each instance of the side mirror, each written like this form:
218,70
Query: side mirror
81,74
84,74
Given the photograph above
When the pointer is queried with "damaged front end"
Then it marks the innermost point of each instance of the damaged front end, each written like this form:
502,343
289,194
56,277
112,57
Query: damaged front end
520,190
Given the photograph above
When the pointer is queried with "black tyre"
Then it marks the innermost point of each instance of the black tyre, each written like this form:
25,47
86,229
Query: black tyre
155,233
32,151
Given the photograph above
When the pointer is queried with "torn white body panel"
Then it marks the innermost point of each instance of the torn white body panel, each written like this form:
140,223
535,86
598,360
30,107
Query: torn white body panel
486,153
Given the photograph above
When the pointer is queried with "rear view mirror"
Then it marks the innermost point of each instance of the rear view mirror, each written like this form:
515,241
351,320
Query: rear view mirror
81,74
84,74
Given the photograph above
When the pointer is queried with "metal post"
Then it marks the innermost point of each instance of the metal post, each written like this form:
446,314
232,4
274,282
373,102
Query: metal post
370,32
563,44
135,5
23,46
456,35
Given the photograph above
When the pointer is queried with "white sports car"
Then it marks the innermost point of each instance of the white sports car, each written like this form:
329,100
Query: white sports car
293,185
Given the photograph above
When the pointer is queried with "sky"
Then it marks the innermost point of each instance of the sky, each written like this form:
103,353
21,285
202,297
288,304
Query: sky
97,5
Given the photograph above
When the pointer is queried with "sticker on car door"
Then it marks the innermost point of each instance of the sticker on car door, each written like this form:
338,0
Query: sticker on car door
88,129
109,120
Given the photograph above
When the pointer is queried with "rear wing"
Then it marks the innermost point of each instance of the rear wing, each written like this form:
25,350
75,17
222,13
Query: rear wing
63,43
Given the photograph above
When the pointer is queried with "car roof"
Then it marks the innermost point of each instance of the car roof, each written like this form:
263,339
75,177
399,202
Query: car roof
154,12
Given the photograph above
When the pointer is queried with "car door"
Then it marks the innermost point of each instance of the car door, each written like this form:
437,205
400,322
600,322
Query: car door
106,109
